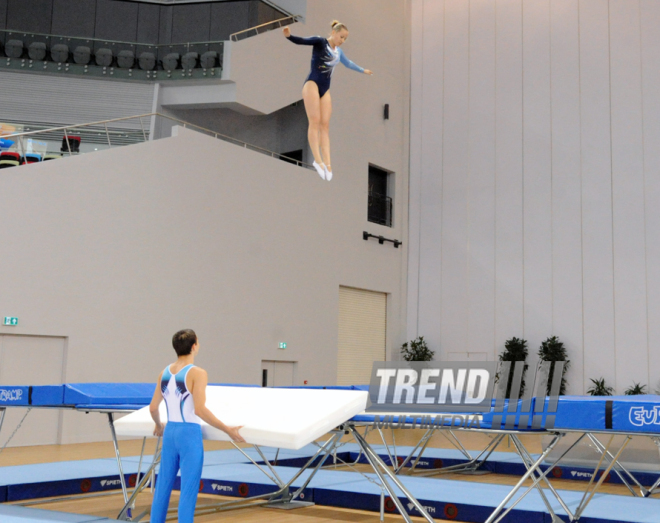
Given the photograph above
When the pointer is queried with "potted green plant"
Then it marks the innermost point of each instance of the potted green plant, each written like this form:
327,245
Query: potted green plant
553,350
599,388
635,390
417,350
515,349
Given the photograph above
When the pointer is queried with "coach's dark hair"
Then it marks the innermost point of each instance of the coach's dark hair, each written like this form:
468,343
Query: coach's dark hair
183,341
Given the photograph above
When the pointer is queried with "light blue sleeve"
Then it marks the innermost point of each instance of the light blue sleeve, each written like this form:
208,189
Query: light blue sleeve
344,60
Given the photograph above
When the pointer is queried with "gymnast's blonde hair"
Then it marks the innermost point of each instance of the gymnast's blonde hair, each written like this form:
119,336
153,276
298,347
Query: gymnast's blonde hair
337,26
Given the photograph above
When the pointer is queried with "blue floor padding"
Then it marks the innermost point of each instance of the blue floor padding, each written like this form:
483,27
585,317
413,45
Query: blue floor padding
77,477
63,478
16,514
466,501
229,473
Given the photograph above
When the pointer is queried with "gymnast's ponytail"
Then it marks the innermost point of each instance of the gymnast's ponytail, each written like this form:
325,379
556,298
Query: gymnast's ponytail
337,26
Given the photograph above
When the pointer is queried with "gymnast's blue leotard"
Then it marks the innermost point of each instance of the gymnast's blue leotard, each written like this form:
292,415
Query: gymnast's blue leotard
182,449
324,60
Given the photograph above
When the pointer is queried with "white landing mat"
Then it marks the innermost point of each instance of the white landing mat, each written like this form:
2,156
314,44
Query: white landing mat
282,418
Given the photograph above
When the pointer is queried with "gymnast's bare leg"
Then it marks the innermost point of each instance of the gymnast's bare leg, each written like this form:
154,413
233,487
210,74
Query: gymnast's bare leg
326,113
313,109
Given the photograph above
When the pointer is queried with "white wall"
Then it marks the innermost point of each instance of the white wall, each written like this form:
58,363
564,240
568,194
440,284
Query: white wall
534,181
118,249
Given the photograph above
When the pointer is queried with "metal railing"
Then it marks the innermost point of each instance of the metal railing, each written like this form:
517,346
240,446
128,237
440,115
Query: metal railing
380,209
262,28
113,128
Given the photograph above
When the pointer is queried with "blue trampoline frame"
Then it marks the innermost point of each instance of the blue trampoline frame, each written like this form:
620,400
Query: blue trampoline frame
619,416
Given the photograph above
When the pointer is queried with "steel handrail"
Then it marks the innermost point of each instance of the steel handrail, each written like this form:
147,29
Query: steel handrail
102,122
234,36
148,115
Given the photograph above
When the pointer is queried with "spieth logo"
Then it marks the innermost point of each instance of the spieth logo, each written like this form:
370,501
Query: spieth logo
11,394
577,474
223,488
110,482
411,508
640,416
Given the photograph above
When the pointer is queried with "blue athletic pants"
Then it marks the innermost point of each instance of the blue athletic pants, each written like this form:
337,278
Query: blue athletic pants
182,449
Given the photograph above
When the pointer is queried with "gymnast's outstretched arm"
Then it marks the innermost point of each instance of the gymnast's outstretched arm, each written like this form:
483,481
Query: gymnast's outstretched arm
200,379
352,65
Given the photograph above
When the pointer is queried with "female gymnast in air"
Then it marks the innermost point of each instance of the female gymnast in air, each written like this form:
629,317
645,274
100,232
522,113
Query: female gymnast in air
326,54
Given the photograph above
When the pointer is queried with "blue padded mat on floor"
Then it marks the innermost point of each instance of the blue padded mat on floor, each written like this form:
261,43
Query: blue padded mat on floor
16,514
466,501
63,478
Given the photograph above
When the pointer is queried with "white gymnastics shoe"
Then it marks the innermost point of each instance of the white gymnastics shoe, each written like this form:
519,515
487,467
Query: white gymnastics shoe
328,174
320,169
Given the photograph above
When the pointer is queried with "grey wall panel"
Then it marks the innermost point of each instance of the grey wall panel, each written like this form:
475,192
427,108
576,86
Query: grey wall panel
63,100
191,23
165,25
228,18
254,14
294,7
30,15
148,23
116,20
266,13
73,17
3,17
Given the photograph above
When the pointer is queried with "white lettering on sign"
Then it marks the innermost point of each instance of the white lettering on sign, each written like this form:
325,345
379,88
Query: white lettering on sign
11,394
224,488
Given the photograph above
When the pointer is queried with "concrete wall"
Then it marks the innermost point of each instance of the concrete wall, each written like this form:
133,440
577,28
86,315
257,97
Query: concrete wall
118,249
282,131
132,21
534,181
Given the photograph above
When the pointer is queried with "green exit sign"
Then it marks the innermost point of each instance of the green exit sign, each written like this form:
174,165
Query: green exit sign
11,321
282,345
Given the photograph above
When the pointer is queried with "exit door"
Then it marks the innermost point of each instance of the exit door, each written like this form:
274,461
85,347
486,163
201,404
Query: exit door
278,373
32,360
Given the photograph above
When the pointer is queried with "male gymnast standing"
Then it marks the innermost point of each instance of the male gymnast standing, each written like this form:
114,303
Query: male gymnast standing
183,387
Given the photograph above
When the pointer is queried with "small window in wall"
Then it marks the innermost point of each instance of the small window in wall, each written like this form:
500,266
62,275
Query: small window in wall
295,157
380,196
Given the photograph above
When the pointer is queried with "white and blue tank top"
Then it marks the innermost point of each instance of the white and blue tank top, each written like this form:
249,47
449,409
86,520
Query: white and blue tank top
178,399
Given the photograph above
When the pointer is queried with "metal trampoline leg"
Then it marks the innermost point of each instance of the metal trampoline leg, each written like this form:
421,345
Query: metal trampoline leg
583,504
599,447
494,516
377,463
137,477
387,486
139,486
3,410
527,461
122,479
